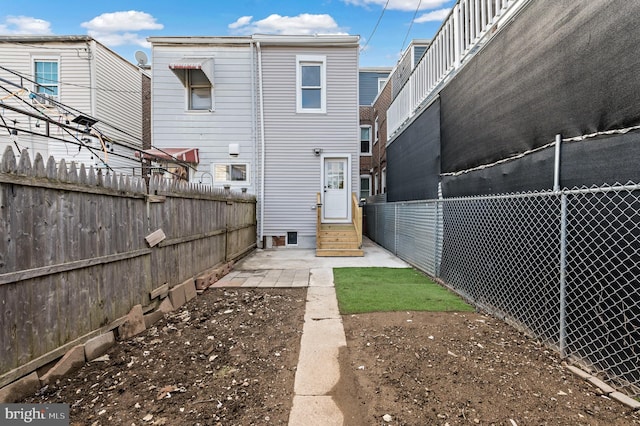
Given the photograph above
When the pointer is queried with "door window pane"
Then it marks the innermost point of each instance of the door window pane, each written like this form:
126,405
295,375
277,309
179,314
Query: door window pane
334,174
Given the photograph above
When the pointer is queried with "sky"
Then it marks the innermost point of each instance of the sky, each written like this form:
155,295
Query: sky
385,27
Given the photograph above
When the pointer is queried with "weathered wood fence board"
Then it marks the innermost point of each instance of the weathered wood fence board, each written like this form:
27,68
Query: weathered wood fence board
73,254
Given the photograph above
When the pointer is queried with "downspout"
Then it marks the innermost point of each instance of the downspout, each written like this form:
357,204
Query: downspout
254,124
262,143
91,55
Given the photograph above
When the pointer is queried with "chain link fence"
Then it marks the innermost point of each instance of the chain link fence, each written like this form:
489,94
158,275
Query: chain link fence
563,266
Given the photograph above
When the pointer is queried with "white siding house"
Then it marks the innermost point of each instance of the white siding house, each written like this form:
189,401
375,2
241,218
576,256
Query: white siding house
59,78
276,116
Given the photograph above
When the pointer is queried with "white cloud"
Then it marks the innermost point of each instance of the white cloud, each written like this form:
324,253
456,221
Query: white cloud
403,5
121,28
131,20
275,24
433,16
120,39
241,22
25,25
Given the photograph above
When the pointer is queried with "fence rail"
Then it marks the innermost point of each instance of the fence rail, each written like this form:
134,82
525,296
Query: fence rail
73,254
468,26
564,266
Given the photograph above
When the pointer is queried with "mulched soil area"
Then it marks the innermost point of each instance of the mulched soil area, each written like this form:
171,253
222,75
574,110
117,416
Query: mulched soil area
229,357
420,368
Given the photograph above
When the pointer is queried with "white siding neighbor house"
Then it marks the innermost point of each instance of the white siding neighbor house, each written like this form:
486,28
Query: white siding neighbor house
56,89
275,116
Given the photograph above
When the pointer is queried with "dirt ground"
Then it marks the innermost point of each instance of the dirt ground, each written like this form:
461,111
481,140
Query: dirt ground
229,357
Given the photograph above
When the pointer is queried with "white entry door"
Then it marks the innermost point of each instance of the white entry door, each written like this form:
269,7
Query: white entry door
335,204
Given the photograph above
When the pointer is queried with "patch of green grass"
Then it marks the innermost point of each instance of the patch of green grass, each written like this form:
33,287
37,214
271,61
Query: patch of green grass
363,290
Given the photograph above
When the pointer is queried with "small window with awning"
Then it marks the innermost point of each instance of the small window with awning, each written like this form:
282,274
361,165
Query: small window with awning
196,75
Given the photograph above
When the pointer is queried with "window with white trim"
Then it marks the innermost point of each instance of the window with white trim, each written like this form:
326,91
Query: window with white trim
311,78
375,132
381,83
231,173
199,91
47,77
365,140
365,186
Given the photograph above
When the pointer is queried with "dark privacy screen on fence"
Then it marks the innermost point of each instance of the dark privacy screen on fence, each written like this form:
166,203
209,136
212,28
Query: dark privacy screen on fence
607,159
560,67
417,149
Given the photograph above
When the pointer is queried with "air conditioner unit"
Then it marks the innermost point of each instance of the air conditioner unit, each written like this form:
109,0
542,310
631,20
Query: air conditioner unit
42,99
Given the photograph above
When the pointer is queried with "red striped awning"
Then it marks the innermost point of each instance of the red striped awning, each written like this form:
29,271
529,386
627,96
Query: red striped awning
187,155
186,65
203,64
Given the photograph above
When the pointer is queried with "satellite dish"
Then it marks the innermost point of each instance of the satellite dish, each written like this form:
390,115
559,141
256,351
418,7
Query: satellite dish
142,59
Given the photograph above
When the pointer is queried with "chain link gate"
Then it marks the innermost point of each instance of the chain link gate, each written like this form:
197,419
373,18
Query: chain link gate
564,266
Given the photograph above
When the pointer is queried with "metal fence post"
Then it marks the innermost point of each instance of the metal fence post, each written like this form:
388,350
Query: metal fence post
395,228
563,278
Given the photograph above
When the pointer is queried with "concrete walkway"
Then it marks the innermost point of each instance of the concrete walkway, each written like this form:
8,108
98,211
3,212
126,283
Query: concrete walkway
318,370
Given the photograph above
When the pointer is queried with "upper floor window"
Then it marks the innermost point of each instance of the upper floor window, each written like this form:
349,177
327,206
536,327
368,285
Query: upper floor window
365,140
311,80
200,97
196,74
381,83
47,77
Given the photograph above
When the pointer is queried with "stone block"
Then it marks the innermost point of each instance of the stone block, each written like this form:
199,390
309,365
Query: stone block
626,400
177,296
134,323
189,289
605,388
152,318
99,345
578,372
70,362
20,389
165,306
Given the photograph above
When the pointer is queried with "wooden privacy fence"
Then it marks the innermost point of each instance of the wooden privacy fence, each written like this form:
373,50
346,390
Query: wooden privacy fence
73,254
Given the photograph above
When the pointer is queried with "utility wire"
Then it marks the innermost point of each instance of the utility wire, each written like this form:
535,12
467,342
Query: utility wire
376,27
410,26
68,109
44,117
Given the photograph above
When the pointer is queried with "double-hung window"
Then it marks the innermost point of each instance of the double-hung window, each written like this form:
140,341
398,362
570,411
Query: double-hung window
47,77
365,186
365,140
199,91
311,82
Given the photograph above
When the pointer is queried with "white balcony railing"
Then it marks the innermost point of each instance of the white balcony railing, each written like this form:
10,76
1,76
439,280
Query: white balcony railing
468,26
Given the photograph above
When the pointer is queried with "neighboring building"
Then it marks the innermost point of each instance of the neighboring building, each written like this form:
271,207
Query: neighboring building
388,82
371,82
72,81
274,116
379,149
408,61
